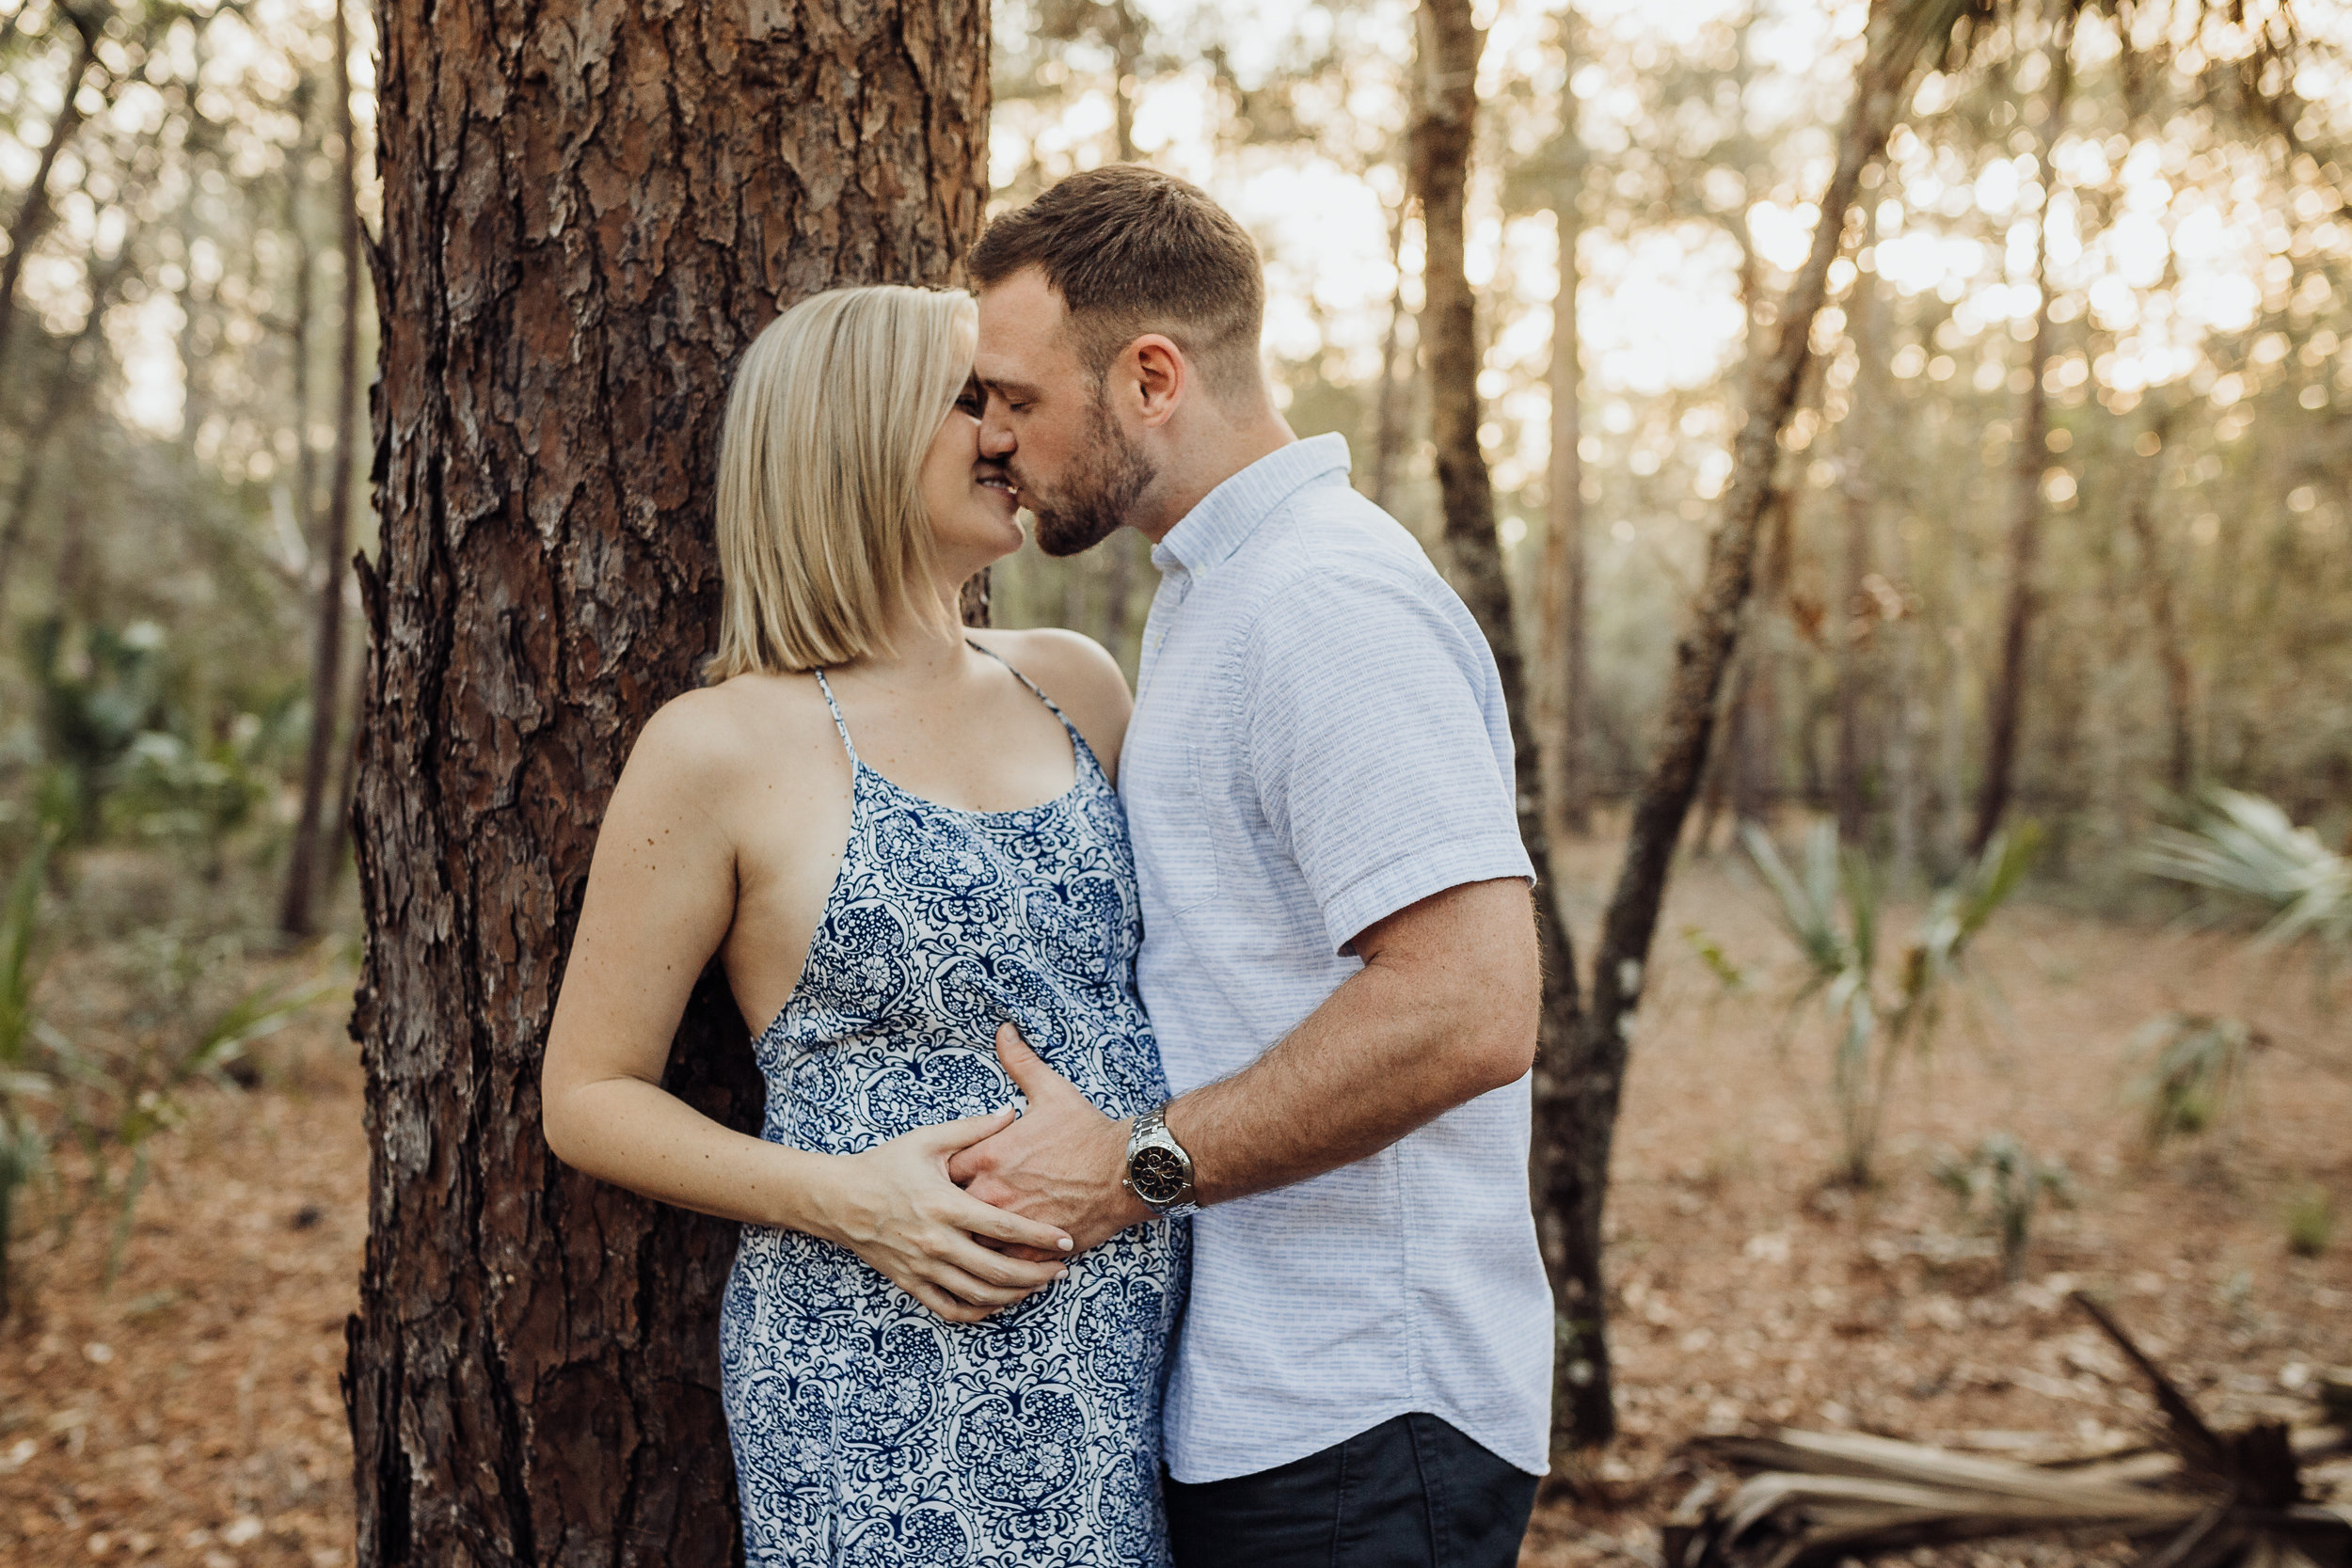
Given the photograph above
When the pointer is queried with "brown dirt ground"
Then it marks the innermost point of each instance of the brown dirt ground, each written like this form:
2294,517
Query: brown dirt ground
190,1415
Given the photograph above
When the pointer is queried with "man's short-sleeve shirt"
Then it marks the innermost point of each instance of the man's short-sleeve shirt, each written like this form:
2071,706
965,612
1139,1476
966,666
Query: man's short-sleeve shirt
1319,741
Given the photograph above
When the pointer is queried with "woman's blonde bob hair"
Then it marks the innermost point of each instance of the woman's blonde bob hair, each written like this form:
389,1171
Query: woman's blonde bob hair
823,534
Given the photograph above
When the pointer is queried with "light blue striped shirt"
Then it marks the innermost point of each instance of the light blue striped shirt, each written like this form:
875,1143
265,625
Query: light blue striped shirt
1319,740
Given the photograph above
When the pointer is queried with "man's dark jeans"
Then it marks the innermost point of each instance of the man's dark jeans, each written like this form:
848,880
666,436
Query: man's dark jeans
1411,1493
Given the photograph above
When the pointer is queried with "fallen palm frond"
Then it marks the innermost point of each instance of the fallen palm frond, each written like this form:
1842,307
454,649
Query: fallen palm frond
2204,1499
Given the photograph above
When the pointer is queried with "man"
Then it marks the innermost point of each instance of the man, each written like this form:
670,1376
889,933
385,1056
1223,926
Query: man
1338,953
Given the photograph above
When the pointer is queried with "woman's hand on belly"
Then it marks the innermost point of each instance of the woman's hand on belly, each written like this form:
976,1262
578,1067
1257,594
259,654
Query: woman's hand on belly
894,1207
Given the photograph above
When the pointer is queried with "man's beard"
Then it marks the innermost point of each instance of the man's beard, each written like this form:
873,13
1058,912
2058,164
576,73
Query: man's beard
1098,494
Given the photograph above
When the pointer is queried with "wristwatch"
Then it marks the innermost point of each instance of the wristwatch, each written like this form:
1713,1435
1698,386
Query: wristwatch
1158,1170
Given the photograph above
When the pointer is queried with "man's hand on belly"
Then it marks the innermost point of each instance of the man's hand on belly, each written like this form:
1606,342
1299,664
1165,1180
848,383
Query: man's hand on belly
1062,1161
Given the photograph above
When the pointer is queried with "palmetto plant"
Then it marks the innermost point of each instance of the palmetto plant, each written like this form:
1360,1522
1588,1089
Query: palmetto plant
1828,907
2194,1074
2005,1184
2246,848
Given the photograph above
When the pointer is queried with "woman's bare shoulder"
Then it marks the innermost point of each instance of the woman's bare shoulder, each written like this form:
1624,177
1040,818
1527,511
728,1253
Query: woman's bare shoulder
1078,674
1062,662
745,727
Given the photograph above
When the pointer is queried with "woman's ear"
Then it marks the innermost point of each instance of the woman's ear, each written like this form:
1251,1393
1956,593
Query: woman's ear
1161,377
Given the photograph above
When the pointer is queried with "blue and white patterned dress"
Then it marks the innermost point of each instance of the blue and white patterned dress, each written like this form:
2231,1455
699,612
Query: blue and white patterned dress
866,1431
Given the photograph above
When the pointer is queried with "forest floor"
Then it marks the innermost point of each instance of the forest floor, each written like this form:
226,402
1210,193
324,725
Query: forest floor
190,1415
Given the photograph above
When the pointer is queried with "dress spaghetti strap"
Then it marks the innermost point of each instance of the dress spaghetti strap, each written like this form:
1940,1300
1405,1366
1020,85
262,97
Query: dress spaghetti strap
848,745
1034,689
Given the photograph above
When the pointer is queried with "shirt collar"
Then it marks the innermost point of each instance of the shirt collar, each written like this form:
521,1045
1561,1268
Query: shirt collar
1229,514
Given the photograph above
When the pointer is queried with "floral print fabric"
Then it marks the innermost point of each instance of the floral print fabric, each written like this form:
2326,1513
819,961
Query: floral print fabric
867,1431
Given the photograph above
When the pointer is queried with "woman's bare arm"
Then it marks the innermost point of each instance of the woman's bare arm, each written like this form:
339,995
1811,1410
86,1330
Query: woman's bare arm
661,895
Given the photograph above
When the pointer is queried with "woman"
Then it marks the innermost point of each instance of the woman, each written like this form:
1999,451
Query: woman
896,843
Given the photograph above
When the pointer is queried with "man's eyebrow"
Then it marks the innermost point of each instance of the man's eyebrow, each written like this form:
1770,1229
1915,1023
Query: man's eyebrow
1005,389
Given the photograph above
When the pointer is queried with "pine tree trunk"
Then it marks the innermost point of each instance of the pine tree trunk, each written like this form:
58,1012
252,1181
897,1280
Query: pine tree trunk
583,226
2006,706
326,662
1578,1124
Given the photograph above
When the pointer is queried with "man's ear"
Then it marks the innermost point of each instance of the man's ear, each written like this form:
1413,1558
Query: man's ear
1162,377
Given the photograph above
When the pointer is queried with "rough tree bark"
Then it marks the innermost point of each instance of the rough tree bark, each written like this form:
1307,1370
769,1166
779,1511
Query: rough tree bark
1577,1110
38,208
2006,705
587,215
1562,642
326,662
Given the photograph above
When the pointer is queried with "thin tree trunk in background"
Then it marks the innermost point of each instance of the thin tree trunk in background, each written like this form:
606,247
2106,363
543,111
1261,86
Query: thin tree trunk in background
338,824
2006,706
2164,616
1115,562
1127,61
1577,1117
1444,121
62,395
327,679
298,334
1118,586
1755,741
1859,435
1906,722
67,590
1563,699
569,267
39,208
1388,434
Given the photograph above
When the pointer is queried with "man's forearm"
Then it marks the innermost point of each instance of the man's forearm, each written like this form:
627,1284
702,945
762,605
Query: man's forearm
1443,1010
1386,1053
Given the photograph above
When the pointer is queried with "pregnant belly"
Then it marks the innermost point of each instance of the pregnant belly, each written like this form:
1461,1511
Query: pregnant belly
847,1095
847,1099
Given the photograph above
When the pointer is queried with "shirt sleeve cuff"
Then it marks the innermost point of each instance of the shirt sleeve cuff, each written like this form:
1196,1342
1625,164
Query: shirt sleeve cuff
1409,878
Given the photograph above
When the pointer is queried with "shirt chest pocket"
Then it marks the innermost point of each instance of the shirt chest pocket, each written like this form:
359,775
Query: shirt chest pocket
1170,813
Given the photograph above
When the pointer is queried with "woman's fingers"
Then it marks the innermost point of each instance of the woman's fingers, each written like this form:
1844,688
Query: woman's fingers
1003,1225
942,1303
975,1292
947,1137
997,1269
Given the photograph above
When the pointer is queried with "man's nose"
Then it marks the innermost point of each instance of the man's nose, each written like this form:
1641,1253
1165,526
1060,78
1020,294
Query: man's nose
996,437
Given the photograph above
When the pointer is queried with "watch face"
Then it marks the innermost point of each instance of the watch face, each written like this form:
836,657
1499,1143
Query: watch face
1157,1175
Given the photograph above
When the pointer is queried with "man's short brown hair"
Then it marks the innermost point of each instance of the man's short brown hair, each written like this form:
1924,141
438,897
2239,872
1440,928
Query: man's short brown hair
1132,250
